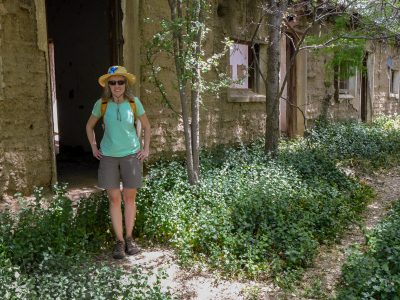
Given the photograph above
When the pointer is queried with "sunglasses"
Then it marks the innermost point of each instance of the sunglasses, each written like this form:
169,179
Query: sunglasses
113,82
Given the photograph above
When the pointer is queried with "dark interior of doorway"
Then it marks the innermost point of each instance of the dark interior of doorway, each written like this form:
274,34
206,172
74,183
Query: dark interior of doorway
291,110
86,41
364,90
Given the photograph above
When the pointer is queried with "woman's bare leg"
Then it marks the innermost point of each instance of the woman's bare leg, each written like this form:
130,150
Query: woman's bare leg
130,210
114,197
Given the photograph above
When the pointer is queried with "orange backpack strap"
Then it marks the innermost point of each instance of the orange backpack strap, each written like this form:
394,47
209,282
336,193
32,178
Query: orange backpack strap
133,106
104,103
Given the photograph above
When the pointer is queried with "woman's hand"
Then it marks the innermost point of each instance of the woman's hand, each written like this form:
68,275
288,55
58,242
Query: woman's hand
142,155
98,154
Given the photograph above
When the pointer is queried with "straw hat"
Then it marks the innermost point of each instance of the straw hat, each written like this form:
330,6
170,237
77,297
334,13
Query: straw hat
117,70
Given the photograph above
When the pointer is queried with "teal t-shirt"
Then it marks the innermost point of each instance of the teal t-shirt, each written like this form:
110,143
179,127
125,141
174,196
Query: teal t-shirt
120,137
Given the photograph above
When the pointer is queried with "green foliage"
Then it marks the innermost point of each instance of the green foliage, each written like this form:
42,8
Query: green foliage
343,45
378,144
177,40
64,277
375,274
345,55
346,59
44,252
346,25
253,214
47,227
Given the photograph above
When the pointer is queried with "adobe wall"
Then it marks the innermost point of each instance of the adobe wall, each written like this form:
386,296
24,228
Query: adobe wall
321,90
384,103
25,149
220,121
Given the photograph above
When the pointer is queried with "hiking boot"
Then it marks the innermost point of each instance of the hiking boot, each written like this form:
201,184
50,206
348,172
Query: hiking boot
119,250
131,248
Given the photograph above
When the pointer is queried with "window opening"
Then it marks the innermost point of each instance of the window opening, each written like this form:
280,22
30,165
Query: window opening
239,66
344,84
247,85
394,78
242,66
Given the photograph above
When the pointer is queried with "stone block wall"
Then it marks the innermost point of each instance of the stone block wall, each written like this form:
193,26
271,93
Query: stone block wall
25,126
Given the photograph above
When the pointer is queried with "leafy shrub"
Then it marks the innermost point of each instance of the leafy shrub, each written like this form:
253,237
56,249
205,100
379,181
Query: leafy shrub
44,253
54,227
375,274
64,277
352,140
251,214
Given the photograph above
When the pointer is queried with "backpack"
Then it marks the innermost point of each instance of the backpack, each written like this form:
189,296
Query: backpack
104,103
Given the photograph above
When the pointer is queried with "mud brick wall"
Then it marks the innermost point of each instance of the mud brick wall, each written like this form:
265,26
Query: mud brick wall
25,150
321,91
221,122
384,103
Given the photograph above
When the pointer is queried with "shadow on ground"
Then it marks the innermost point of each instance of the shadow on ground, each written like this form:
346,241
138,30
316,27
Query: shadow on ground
79,169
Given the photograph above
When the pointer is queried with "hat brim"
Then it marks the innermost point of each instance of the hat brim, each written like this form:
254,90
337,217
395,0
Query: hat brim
130,77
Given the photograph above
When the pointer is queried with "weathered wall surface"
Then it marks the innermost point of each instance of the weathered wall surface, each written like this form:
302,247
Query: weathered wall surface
384,103
321,91
25,142
321,88
221,121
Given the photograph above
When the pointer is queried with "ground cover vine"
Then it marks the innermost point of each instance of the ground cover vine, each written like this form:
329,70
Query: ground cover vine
252,215
375,273
46,247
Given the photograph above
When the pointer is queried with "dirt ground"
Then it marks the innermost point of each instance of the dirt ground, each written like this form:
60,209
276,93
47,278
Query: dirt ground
200,283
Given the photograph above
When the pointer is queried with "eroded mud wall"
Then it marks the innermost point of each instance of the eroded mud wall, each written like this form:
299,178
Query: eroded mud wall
221,122
384,102
321,91
26,157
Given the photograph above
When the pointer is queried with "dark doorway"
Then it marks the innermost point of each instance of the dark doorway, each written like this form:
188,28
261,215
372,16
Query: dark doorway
291,111
364,90
85,38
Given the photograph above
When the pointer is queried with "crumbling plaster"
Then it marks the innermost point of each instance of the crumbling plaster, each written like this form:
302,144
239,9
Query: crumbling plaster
220,121
383,103
25,135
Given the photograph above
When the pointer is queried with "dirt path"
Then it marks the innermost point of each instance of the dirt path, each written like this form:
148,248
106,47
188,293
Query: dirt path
318,281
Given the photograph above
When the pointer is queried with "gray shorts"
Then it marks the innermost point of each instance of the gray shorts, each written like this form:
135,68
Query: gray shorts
113,169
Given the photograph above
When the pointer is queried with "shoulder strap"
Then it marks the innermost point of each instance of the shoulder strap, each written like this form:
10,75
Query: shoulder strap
104,103
133,106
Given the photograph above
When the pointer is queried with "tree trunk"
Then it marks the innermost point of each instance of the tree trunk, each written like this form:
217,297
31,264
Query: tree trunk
192,174
274,19
196,88
176,13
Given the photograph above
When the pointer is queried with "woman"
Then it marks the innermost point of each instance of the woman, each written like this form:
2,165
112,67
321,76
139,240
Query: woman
119,151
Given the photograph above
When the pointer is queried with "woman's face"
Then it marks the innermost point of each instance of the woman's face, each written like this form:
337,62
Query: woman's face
118,89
